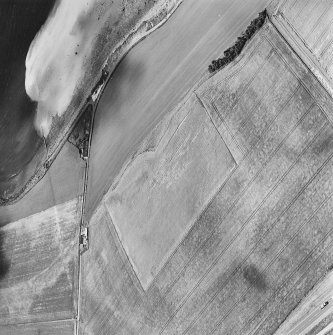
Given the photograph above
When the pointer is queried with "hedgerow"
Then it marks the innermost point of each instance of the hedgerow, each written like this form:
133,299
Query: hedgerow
231,53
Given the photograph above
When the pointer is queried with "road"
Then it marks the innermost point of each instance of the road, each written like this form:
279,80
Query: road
313,318
309,313
153,78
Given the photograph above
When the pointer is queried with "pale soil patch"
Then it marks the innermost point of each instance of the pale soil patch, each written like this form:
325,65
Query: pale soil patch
164,188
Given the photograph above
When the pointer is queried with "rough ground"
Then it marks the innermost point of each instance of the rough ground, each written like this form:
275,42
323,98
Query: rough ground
163,190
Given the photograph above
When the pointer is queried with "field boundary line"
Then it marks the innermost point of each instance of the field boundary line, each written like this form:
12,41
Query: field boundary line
291,6
82,223
127,267
314,27
300,10
233,136
184,300
297,86
315,44
10,325
240,68
301,278
284,281
303,84
257,210
278,255
175,250
327,79
248,116
216,128
265,130
123,254
265,162
219,190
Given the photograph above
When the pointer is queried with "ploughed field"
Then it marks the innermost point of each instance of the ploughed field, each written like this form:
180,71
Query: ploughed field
39,272
312,20
254,242
311,317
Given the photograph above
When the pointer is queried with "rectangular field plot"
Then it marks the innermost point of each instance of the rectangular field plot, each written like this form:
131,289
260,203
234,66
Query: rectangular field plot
225,212
164,189
312,23
41,256
49,328
250,251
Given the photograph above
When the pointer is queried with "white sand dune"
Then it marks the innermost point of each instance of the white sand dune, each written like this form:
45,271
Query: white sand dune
57,55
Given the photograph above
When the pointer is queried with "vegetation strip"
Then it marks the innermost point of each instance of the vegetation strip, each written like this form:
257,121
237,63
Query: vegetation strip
231,53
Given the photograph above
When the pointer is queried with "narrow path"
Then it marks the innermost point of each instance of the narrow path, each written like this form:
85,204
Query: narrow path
83,221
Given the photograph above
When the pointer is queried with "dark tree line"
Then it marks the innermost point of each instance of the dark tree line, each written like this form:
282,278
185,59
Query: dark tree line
231,53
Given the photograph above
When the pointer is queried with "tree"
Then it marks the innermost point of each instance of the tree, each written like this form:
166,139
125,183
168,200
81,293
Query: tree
231,53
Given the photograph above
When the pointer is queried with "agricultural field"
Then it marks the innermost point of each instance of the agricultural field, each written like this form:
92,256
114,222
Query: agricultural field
259,244
210,195
312,316
39,272
62,182
307,26
165,187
